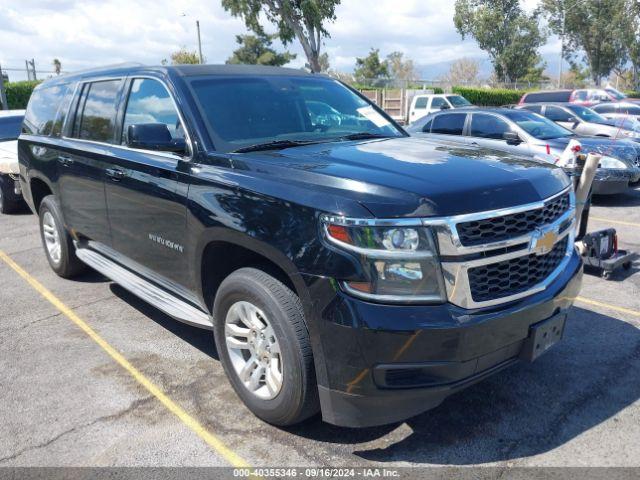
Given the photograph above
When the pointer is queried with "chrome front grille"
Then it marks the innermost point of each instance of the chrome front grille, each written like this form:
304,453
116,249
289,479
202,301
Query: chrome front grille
517,275
495,229
495,257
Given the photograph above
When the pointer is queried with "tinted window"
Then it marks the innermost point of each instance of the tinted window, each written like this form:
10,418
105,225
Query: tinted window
427,126
458,101
537,126
246,111
562,96
581,95
630,110
150,102
488,126
97,111
599,96
605,108
558,114
450,124
438,102
587,114
10,127
42,109
421,102
533,108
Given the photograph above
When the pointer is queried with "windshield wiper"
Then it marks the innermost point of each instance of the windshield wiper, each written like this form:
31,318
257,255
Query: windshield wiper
364,136
273,145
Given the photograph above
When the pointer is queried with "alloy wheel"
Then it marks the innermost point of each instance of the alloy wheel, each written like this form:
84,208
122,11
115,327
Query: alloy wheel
51,237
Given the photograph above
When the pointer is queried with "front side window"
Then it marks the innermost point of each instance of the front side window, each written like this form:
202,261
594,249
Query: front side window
249,111
533,108
581,95
488,126
42,109
587,114
458,101
97,111
438,102
630,110
605,108
449,124
10,127
150,102
537,126
558,114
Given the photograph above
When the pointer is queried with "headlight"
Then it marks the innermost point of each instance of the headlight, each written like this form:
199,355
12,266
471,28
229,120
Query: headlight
609,162
400,263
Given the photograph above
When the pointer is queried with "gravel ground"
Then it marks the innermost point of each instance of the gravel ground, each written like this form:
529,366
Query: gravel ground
65,402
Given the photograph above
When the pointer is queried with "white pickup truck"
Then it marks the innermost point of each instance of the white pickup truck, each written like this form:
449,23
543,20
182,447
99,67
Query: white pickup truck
424,104
10,193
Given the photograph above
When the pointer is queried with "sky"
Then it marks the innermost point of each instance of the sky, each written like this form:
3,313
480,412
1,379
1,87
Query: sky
88,33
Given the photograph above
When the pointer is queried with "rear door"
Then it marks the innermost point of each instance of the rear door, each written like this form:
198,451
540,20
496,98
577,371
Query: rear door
450,127
87,149
146,190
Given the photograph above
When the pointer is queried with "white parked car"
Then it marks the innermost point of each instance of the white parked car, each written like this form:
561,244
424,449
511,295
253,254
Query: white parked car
422,105
10,193
618,110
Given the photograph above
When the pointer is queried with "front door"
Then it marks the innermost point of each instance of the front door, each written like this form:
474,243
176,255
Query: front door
146,191
488,131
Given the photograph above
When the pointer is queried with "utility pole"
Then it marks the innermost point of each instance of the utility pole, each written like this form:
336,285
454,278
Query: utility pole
3,95
561,52
33,66
199,41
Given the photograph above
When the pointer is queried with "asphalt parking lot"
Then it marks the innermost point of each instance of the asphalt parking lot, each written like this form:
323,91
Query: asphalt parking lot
67,400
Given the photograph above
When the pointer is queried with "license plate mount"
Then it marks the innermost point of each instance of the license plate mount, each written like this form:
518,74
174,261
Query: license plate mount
542,336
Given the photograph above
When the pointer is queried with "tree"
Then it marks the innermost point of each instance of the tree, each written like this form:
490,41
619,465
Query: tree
401,68
301,19
591,27
630,33
371,68
535,73
183,57
510,36
323,61
463,71
57,66
256,50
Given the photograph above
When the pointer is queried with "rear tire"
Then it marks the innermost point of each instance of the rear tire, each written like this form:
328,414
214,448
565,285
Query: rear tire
6,205
58,244
293,395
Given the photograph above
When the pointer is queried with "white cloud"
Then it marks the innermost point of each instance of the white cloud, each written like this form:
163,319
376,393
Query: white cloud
87,33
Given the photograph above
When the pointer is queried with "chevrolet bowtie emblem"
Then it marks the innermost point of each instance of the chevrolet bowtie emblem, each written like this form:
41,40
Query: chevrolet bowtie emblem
543,242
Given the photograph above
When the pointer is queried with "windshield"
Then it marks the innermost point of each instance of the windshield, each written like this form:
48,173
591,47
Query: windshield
536,125
587,114
458,101
10,128
246,111
617,94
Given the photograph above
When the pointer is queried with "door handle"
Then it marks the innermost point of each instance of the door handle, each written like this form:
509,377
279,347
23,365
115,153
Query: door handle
65,161
116,174
475,144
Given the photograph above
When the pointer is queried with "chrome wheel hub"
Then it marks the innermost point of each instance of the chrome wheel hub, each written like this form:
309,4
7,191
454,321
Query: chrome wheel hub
254,350
51,237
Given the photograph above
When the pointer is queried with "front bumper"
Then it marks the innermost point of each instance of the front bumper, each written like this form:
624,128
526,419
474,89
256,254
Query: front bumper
385,363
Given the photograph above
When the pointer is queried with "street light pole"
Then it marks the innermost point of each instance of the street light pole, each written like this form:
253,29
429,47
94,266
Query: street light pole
561,53
199,41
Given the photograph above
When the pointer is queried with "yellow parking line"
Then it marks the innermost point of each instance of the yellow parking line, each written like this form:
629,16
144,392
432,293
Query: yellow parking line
616,222
610,307
211,440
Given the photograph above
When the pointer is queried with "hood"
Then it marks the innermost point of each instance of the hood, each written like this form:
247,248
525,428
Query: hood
623,123
626,150
409,176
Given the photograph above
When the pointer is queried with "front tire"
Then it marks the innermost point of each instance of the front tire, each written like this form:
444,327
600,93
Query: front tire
264,347
57,242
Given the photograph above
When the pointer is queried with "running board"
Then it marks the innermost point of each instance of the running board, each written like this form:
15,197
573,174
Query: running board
157,297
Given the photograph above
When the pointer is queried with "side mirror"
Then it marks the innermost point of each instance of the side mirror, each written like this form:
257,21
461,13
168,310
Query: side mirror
154,136
444,106
512,138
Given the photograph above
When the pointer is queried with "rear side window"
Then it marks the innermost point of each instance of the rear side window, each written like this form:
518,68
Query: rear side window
547,97
96,115
488,126
42,109
150,102
581,95
421,102
451,124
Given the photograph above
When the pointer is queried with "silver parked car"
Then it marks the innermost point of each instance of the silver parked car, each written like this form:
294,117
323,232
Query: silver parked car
526,133
586,121
626,110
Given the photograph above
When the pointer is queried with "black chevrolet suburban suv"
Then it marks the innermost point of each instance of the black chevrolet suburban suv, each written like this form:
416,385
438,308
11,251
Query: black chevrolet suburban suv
342,265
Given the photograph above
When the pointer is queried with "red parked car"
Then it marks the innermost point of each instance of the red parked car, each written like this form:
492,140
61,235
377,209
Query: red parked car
583,96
